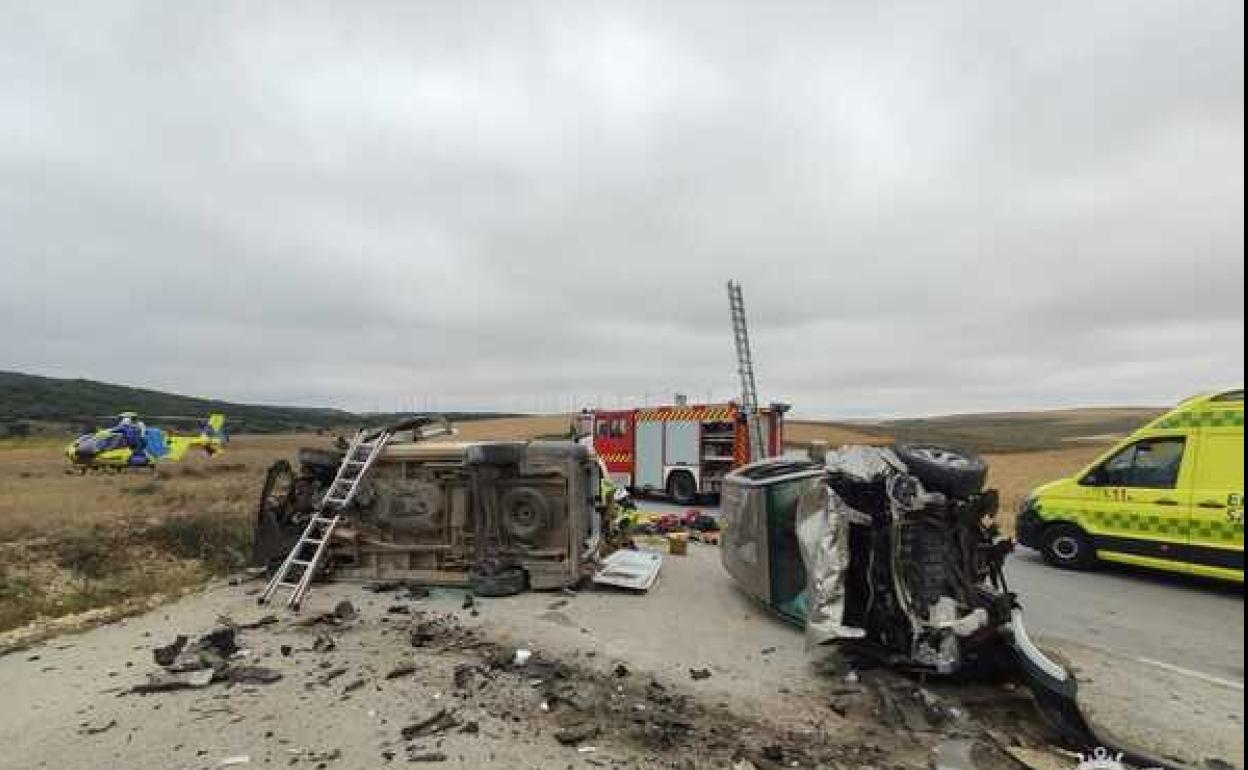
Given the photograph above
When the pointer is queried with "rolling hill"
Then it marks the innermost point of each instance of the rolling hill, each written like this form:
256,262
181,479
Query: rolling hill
1000,431
75,403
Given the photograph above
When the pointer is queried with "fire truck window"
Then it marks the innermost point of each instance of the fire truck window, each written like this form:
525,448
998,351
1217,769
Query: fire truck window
604,429
619,428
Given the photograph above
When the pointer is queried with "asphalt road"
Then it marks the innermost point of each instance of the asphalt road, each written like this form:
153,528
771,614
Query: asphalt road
1170,622
1179,623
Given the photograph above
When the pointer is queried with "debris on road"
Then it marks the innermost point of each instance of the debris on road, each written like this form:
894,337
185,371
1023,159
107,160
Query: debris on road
577,733
90,729
631,570
401,670
192,664
434,724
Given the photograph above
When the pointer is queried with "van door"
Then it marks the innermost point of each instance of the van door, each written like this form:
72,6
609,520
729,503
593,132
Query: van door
1216,533
1140,500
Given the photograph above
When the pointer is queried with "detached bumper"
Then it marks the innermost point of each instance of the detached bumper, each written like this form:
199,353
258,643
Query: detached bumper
1029,526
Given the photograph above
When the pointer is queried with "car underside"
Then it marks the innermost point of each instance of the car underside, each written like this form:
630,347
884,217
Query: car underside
499,516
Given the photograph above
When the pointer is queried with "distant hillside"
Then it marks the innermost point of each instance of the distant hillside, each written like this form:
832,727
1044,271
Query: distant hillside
76,403
1013,431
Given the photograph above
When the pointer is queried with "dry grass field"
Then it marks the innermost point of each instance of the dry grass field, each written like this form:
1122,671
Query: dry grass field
799,434
1015,474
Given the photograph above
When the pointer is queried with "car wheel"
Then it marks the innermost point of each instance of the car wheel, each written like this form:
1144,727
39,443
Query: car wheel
951,472
682,488
1068,547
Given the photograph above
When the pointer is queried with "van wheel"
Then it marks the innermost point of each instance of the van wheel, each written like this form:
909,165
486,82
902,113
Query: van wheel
682,488
1068,547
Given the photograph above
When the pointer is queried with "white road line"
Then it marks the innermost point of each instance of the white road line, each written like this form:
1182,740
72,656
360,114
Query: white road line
1228,683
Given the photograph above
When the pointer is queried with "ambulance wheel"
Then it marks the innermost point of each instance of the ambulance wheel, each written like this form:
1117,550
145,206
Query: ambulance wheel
1068,547
682,488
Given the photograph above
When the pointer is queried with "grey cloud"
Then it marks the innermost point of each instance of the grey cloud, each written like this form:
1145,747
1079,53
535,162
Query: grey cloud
933,207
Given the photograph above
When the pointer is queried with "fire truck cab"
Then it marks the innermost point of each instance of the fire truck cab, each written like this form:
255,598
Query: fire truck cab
683,451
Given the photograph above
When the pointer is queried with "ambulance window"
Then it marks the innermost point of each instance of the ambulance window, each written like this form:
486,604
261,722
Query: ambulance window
1149,464
1116,471
1157,463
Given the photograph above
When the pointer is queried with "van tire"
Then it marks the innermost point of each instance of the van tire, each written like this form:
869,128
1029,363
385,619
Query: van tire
951,472
1067,547
682,487
525,513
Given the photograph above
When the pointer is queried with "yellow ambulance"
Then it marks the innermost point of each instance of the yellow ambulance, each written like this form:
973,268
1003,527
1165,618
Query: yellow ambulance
1170,497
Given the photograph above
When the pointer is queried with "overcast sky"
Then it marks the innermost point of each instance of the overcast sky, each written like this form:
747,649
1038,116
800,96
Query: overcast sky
933,206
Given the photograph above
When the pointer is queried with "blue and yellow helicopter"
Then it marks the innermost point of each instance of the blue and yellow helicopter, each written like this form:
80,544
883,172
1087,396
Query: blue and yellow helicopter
132,444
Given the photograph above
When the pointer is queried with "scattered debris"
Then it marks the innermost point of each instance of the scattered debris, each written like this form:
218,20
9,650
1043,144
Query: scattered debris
439,631
435,724
698,674
323,643
89,729
575,734
193,664
252,675
164,681
345,611
164,656
432,756
401,670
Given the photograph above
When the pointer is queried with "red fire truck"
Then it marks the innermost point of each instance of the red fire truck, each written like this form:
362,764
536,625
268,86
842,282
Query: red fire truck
683,450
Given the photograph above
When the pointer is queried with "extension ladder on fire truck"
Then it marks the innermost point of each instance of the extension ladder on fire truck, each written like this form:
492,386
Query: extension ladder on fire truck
295,574
745,367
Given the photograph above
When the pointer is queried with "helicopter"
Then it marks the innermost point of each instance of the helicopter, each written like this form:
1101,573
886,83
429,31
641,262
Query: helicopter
132,444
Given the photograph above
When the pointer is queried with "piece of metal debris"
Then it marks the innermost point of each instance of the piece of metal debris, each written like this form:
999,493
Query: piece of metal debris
435,724
631,570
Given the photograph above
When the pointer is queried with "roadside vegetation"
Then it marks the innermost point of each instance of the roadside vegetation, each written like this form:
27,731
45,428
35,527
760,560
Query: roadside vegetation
71,543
